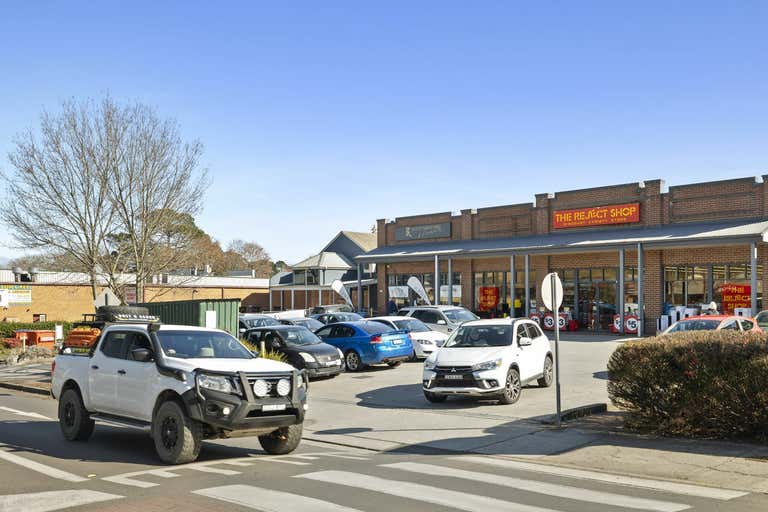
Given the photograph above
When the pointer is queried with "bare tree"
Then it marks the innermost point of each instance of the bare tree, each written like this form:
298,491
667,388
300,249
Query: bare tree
57,199
158,181
254,255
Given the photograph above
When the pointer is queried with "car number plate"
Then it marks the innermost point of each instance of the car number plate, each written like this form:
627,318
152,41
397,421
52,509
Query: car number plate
333,363
454,377
397,342
273,407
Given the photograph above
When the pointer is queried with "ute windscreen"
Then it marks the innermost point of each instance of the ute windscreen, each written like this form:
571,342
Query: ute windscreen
201,344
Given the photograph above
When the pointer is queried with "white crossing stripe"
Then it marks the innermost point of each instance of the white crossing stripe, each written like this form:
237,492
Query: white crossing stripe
561,491
305,457
218,471
425,493
268,500
162,473
630,481
40,468
52,500
293,462
349,457
236,463
127,479
24,413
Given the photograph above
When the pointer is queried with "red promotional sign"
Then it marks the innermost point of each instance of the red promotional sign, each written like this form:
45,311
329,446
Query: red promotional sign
488,297
736,296
596,216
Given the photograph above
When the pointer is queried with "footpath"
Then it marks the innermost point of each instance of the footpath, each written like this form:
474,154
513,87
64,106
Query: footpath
595,443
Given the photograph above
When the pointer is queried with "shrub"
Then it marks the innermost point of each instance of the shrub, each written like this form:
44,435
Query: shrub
704,384
267,354
8,329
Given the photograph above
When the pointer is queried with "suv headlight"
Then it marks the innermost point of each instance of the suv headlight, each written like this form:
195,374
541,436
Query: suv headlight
487,365
429,364
219,383
309,358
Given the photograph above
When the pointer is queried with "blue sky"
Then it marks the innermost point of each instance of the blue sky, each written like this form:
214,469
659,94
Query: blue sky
322,116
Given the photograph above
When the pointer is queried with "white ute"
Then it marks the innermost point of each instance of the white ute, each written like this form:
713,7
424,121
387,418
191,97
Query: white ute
490,359
180,384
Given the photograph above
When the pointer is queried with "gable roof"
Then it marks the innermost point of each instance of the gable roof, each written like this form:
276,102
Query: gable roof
365,241
325,259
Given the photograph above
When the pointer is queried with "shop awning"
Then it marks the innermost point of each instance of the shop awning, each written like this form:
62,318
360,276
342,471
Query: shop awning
699,234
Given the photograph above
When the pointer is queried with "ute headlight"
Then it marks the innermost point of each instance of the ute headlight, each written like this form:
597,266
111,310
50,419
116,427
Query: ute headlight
309,358
283,387
487,365
260,388
220,383
429,364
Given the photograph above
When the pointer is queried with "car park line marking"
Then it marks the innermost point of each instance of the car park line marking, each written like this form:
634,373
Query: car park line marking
305,457
268,500
40,468
350,457
630,481
24,413
218,471
419,492
236,463
126,479
548,489
162,473
52,500
293,462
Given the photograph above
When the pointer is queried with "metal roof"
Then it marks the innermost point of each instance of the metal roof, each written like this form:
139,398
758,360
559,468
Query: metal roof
696,234
332,260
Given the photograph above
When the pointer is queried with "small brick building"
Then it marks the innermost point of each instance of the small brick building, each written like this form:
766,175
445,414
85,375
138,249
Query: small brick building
699,243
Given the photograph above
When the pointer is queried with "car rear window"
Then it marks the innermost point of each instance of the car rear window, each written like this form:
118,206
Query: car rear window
374,327
695,325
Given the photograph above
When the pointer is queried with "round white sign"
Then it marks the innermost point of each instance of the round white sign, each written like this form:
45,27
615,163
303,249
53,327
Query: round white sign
552,303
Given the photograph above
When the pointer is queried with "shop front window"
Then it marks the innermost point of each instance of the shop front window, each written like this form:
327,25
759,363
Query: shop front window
456,288
732,288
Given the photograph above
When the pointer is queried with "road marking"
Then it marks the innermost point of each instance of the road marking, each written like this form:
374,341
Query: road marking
236,463
350,457
40,468
218,471
561,491
52,500
126,479
24,413
656,485
419,492
269,500
305,457
162,473
293,462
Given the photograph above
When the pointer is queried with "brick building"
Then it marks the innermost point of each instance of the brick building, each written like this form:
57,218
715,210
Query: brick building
698,243
41,296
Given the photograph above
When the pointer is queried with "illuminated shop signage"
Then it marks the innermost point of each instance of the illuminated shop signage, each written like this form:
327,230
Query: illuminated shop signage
596,216
442,230
736,296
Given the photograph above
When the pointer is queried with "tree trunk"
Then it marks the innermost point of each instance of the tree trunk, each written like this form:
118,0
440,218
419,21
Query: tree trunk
93,287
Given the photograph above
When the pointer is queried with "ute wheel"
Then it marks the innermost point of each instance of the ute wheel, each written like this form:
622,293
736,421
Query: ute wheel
178,438
353,362
512,388
435,398
548,375
283,440
75,422
394,364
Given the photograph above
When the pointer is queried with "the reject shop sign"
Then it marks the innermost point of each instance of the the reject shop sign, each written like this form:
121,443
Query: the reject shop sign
736,296
596,216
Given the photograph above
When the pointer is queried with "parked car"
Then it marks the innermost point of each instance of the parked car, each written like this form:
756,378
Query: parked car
180,384
332,318
251,320
301,347
424,340
714,323
762,320
444,319
490,359
365,342
310,323
330,308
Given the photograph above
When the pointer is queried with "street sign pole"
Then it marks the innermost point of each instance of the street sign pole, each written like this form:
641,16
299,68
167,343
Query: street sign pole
555,303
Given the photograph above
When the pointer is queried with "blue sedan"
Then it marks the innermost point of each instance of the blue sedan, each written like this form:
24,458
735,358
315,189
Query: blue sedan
364,343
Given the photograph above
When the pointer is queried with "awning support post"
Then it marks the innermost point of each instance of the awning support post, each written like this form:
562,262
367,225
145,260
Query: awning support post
359,287
512,285
753,276
527,308
436,282
450,281
640,292
621,290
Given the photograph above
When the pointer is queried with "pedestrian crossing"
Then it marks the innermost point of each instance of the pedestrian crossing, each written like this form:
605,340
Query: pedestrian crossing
501,488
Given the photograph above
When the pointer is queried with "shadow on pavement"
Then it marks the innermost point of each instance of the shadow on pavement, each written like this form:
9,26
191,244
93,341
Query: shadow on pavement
410,396
107,444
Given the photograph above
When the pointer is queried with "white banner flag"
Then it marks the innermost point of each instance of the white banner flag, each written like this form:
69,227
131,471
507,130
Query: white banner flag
417,287
339,288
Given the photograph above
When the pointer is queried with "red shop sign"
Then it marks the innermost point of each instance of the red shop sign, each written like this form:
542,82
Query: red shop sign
736,296
489,297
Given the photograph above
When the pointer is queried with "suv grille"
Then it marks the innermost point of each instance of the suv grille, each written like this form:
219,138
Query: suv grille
453,369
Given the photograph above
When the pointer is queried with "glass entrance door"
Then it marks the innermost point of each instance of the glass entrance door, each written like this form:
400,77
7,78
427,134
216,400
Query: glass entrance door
597,304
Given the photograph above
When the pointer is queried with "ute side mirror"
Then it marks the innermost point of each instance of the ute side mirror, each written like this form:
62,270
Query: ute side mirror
441,322
142,355
524,341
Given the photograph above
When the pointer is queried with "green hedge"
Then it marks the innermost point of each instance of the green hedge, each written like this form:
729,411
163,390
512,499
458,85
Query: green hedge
701,384
7,329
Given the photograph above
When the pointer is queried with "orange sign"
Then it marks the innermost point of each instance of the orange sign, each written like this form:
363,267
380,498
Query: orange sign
736,296
596,216
489,297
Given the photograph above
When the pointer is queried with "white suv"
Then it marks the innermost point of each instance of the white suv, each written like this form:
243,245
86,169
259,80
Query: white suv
489,359
443,319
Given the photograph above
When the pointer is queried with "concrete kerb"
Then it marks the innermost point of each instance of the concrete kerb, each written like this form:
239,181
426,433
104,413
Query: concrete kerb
576,413
26,389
